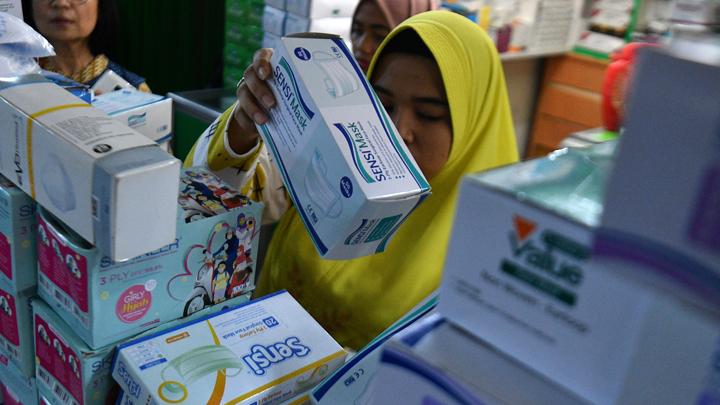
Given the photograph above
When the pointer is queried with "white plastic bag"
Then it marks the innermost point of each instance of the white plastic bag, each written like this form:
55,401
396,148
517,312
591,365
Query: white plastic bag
19,45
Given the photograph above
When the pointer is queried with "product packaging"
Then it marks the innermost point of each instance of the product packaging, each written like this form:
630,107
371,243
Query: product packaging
149,114
266,351
349,174
519,275
16,339
454,358
273,20
351,382
321,8
18,256
15,388
68,371
106,181
212,260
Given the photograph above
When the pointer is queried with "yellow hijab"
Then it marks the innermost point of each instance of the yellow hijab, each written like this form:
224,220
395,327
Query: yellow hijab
357,299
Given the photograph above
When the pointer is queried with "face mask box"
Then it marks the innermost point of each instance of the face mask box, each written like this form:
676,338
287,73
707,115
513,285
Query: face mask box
349,174
149,114
669,163
212,260
68,371
17,238
106,181
321,8
273,20
16,342
522,280
14,387
266,351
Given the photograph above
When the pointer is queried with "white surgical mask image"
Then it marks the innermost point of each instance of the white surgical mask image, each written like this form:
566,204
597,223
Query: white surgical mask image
5,306
339,81
326,200
57,184
193,365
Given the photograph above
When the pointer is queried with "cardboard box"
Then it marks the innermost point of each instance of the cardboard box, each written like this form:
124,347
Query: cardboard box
149,114
467,361
16,389
265,351
273,20
669,162
16,337
351,381
18,256
522,279
13,7
106,181
348,172
331,25
321,8
68,371
213,259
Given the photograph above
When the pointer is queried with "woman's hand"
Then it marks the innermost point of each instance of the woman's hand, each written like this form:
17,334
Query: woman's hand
254,99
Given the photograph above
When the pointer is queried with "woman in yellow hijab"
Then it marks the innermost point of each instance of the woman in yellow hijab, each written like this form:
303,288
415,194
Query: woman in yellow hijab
440,79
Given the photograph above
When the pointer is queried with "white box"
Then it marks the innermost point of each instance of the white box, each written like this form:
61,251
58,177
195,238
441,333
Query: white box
16,389
321,8
522,279
330,25
278,4
56,148
273,20
149,114
669,162
13,7
265,351
348,172
463,359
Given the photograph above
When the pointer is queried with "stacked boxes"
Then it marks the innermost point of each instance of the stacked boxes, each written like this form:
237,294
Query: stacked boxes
243,36
15,388
212,260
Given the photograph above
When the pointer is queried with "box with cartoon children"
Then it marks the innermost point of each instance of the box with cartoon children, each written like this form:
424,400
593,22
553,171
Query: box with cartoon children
212,260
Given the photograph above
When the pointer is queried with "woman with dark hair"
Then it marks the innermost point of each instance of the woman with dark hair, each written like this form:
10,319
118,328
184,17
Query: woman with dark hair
83,33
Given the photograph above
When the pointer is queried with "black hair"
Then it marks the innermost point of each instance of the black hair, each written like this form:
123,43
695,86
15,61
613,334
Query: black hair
104,36
407,41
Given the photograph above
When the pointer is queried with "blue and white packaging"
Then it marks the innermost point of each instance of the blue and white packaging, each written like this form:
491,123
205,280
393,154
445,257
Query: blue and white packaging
212,260
266,351
150,114
68,371
18,256
273,20
321,8
346,168
16,338
77,89
106,181
15,388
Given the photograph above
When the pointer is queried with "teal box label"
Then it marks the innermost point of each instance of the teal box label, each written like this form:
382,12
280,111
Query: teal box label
17,238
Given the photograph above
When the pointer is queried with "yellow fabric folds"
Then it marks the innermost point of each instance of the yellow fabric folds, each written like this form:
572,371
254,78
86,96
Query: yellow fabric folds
356,299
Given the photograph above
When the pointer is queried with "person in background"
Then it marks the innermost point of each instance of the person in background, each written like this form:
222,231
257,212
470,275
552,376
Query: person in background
440,79
374,19
82,33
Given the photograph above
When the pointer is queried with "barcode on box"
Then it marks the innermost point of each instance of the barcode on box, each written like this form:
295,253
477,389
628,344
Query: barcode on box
70,306
45,378
62,395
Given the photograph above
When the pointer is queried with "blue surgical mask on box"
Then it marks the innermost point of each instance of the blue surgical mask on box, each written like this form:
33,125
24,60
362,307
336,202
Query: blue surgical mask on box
212,261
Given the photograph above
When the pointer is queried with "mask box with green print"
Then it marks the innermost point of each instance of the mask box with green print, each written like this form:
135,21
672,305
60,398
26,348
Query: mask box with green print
16,342
68,371
519,275
17,238
266,351
349,174
102,178
15,387
212,260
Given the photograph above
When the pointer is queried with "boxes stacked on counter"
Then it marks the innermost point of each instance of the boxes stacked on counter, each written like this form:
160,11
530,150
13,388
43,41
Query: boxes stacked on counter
243,36
292,16
265,351
149,114
15,388
212,260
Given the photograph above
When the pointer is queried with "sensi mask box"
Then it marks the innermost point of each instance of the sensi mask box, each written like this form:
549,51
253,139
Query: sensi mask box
67,370
16,341
212,260
348,172
15,388
17,238
266,351
106,181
